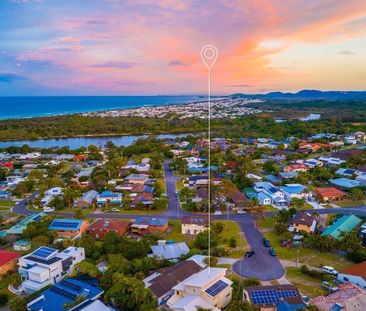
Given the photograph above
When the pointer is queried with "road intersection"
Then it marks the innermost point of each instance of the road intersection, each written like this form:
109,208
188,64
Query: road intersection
262,265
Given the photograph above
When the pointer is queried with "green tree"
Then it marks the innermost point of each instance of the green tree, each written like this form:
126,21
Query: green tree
17,304
130,294
201,240
85,268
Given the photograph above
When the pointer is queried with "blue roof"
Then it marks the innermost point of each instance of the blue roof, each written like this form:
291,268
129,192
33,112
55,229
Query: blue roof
272,178
285,306
64,292
22,242
148,189
294,188
344,224
21,225
65,224
345,182
150,221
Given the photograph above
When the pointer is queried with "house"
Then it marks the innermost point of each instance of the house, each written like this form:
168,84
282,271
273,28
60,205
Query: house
268,298
87,199
80,157
22,245
297,191
192,225
349,297
8,262
108,197
137,178
347,172
47,266
5,195
237,197
330,194
161,284
65,292
196,181
208,289
275,194
344,224
100,227
169,251
146,225
70,228
331,161
355,274
344,183
20,226
302,221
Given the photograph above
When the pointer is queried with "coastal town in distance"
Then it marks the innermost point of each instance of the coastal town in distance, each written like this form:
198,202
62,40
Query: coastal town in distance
182,155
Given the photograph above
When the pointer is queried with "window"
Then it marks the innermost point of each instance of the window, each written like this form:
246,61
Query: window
345,279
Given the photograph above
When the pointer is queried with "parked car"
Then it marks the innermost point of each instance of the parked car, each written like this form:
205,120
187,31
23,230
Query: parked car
266,242
241,212
329,287
272,252
330,270
114,210
249,254
285,243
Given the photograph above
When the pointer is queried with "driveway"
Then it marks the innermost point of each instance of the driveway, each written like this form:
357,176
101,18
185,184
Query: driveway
262,265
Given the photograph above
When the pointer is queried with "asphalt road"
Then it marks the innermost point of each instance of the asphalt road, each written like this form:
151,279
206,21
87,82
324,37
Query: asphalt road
261,265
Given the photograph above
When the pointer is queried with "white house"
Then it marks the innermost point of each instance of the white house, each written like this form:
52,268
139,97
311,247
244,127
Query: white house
208,289
355,274
171,251
47,266
275,194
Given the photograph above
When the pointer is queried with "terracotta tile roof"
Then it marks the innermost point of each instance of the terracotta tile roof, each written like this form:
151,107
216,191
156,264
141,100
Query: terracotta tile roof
359,270
110,225
330,192
346,292
172,276
6,257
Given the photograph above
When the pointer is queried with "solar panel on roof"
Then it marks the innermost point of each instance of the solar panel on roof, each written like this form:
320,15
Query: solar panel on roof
64,224
271,296
216,288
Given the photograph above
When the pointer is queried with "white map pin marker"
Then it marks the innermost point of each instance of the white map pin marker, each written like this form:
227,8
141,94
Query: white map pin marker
209,55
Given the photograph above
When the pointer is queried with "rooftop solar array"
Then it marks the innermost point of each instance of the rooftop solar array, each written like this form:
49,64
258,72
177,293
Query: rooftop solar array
44,252
64,224
271,296
216,288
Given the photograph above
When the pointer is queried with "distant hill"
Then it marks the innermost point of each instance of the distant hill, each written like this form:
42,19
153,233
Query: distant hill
307,95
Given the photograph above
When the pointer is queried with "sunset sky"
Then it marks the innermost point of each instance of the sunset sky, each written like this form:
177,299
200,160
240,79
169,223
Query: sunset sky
141,47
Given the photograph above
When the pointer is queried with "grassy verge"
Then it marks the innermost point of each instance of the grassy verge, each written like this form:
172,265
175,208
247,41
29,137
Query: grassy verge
309,257
306,284
349,203
266,222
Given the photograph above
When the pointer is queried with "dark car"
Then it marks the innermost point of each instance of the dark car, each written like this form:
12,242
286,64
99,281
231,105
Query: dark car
272,252
285,243
249,254
266,242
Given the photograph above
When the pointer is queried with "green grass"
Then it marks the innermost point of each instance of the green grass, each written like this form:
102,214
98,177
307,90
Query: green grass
349,203
4,283
266,222
307,256
306,284
270,208
6,204
176,234
232,230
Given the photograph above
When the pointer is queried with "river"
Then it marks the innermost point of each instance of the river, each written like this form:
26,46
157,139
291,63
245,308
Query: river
77,142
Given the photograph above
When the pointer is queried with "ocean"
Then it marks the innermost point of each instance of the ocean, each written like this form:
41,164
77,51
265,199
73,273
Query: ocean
26,107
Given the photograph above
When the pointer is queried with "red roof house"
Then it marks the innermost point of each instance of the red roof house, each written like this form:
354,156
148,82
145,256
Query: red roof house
8,261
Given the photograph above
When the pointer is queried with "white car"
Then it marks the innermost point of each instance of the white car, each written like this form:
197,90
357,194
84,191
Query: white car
330,270
218,213
241,212
114,210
